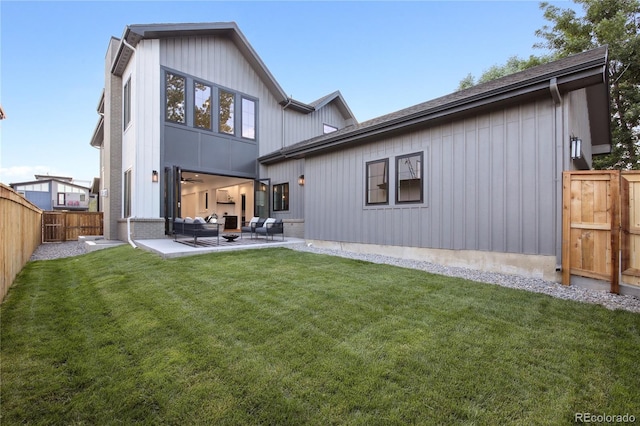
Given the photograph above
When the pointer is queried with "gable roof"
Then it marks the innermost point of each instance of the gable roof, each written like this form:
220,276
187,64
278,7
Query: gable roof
584,70
133,34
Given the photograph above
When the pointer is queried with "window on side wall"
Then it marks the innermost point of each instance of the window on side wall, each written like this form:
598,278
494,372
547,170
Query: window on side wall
127,194
409,179
175,94
126,103
248,118
326,128
227,112
202,106
377,181
281,197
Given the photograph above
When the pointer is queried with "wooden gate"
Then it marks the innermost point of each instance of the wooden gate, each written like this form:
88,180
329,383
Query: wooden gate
590,224
68,226
630,224
601,226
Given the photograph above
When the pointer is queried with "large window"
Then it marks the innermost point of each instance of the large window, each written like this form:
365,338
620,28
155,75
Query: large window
126,103
378,182
248,118
409,178
281,197
202,107
227,114
175,86
127,194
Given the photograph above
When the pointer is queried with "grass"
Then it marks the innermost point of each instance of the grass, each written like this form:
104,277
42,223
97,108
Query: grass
275,336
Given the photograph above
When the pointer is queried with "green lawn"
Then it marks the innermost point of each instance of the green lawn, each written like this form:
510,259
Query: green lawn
274,336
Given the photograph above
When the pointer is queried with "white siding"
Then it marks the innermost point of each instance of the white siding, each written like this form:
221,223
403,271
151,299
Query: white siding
300,127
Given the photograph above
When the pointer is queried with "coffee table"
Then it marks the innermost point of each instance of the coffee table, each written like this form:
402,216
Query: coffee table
230,237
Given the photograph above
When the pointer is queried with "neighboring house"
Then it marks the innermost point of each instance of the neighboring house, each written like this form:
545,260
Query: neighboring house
193,123
54,193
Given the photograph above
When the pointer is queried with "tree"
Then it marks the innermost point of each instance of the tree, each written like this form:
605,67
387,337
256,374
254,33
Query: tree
513,65
615,23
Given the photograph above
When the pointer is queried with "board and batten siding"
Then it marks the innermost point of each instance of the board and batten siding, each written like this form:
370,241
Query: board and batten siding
490,185
141,138
217,60
299,127
288,172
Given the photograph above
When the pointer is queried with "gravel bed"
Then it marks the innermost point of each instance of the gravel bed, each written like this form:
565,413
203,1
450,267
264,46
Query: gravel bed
599,297
48,251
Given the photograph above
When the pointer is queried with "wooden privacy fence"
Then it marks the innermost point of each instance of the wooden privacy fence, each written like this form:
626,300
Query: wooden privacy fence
601,226
68,226
20,234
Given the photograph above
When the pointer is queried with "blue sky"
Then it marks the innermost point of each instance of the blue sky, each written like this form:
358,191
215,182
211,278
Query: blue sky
383,56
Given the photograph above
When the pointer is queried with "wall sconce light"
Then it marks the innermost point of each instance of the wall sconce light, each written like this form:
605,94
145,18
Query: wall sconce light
154,176
301,180
576,148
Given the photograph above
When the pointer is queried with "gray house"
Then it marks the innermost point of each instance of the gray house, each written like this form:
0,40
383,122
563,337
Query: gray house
55,193
193,123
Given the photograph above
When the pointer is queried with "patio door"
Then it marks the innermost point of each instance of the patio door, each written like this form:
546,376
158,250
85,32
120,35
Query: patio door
261,191
172,196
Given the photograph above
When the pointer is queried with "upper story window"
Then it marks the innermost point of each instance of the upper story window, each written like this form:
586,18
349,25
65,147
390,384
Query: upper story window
248,118
409,179
227,112
175,94
377,182
36,187
202,106
281,197
126,104
326,128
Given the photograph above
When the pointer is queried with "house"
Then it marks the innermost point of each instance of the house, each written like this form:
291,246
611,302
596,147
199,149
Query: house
55,193
193,123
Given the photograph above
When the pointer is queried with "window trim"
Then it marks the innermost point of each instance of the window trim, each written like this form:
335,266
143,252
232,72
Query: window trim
398,180
166,98
255,119
233,112
285,197
366,178
126,104
195,116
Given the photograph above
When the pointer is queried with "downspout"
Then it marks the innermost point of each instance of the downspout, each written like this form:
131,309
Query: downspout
559,158
283,108
124,41
129,233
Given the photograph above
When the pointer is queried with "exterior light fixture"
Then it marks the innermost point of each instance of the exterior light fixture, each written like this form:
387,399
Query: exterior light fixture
301,180
576,148
154,176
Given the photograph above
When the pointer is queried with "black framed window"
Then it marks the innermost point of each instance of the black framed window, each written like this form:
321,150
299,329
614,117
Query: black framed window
409,178
281,197
62,198
202,106
175,98
226,116
248,118
126,103
377,181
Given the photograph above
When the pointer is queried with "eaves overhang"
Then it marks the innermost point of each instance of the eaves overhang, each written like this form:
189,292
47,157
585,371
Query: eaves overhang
133,34
590,72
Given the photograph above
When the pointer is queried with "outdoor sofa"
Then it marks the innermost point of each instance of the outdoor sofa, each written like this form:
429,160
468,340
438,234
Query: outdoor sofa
195,228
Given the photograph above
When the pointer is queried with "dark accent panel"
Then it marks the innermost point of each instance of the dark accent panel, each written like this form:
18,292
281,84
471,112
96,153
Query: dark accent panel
209,152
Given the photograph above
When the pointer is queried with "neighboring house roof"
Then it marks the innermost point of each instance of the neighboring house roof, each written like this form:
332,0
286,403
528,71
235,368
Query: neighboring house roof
584,70
42,179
